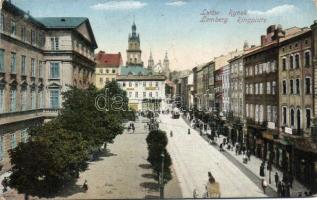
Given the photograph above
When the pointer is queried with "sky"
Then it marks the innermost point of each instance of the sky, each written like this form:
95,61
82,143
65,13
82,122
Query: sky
192,32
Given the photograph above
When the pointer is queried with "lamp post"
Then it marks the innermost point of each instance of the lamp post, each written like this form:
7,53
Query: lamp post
162,177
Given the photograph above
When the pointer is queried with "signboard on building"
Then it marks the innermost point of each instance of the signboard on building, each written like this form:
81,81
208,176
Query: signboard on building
150,88
271,125
288,130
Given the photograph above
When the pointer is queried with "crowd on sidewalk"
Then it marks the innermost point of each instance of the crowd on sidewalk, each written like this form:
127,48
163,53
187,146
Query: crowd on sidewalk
284,184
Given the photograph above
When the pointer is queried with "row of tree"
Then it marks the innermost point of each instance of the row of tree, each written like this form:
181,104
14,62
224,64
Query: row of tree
157,141
58,150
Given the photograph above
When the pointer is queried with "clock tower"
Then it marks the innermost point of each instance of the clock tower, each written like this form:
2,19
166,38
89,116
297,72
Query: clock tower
134,52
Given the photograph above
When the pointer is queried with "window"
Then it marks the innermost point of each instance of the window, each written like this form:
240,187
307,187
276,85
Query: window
54,98
100,80
269,118
291,62
130,84
144,94
41,99
1,148
123,84
307,58
156,94
247,89
13,63
113,71
284,111
256,89
156,84
13,28
32,67
130,94
308,118
284,87
291,85
54,70
1,22
144,84
268,88
23,33
136,95
13,94
297,86
23,99
1,60
151,84
24,136
136,84
150,94
107,71
273,87
297,61
13,141
54,43
33,39
100,71
284,64
33,100
23,70
1,100
307,85
292,117
41,69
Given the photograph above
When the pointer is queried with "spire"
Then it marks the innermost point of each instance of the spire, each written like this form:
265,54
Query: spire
166,58
151,57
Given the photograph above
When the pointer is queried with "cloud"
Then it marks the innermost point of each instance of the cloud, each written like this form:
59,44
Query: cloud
118,5
278,10
176,3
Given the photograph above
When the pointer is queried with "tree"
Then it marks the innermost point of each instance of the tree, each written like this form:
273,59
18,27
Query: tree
80,115
157,141
53,157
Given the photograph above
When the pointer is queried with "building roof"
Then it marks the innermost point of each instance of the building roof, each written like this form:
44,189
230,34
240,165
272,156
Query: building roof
108,59
61,22
134,70
141,78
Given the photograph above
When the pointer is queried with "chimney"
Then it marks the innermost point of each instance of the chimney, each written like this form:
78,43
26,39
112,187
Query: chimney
263,40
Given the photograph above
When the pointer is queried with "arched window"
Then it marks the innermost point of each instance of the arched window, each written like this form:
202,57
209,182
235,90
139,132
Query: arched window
292,117
298,119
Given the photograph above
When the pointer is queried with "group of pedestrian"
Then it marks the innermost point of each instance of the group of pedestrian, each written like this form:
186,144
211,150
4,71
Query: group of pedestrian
283,186
131,126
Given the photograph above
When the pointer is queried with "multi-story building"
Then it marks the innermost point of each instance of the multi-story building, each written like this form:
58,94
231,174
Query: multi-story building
107,68
261,95
144,92
39,58
226,90
296,101
218,75
199,94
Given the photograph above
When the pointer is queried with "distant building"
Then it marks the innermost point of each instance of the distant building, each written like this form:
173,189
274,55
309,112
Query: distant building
144,89
107,68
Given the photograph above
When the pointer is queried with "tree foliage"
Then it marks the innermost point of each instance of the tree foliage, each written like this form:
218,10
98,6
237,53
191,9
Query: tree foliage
157,141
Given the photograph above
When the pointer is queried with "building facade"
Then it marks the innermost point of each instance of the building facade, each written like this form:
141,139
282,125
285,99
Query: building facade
38,60
226,89
107,68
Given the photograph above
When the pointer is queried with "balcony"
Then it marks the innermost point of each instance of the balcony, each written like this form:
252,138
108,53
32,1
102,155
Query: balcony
292,132
11,117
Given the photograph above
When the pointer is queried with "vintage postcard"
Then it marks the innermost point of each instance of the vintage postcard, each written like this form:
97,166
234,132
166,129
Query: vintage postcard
158,99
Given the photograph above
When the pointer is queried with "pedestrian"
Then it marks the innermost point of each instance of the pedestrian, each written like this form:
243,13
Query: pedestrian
262,170
283,190
85,186
133,128
171,133
290,180
264,185
244,159
189,131
279,189
249,154
220,147
4,184
277,179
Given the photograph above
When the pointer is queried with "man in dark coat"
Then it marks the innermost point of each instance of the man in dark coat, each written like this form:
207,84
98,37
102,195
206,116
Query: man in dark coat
262,170
277,179
279,189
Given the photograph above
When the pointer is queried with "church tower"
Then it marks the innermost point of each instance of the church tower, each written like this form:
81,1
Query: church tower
150,62
134,50
166,65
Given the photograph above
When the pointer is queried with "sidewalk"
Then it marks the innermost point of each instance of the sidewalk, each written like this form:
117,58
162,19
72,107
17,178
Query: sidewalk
254,166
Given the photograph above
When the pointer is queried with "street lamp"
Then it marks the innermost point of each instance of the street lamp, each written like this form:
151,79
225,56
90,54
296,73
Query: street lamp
162,177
